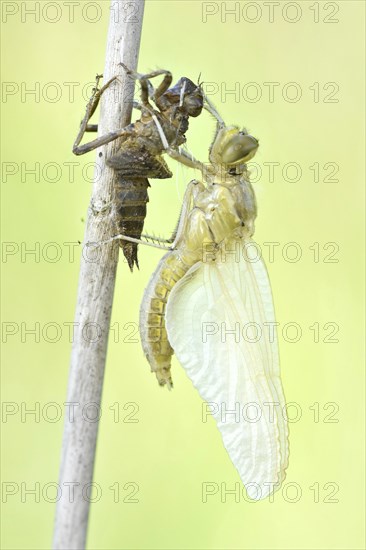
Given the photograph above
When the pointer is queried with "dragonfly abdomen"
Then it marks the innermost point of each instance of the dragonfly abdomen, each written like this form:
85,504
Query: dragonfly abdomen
153,333
130,211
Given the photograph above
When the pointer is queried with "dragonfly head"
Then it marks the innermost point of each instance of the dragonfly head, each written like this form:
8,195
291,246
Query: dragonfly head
233,147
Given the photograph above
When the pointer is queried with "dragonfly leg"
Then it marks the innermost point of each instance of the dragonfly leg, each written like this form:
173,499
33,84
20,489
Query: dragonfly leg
185,157
144,82
97,94
190,191
153,238
193,189
139,76
133,240
85,127
179,155
102,140
163,86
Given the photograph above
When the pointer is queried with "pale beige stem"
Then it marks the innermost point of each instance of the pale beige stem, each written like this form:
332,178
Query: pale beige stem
95,295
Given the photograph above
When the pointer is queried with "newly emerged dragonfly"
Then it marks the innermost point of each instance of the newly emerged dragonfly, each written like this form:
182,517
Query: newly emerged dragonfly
209,279
140,154
204,287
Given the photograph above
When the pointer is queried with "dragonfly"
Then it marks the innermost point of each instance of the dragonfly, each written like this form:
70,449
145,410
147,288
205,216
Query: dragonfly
209,282
140,154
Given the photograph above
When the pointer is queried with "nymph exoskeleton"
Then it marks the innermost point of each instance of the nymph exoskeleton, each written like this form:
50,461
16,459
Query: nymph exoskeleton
140,154
203,294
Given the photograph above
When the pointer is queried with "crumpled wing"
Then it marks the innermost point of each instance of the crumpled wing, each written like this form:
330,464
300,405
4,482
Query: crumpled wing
234,371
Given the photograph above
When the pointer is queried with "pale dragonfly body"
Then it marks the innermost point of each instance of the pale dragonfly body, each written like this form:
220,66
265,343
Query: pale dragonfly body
202,289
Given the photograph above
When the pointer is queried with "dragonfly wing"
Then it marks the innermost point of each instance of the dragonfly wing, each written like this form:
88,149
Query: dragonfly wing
236,372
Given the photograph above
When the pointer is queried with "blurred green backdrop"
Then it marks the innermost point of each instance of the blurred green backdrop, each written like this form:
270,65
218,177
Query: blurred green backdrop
297,72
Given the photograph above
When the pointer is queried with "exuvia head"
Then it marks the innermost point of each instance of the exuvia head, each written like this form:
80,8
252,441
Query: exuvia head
233,147
187,95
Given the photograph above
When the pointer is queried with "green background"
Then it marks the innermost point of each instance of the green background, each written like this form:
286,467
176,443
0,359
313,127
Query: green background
170,452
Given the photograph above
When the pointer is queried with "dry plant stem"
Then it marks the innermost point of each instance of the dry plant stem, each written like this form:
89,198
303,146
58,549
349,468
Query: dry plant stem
95,296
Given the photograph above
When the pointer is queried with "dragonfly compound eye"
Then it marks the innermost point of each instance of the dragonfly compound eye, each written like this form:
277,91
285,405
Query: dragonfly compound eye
240,148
